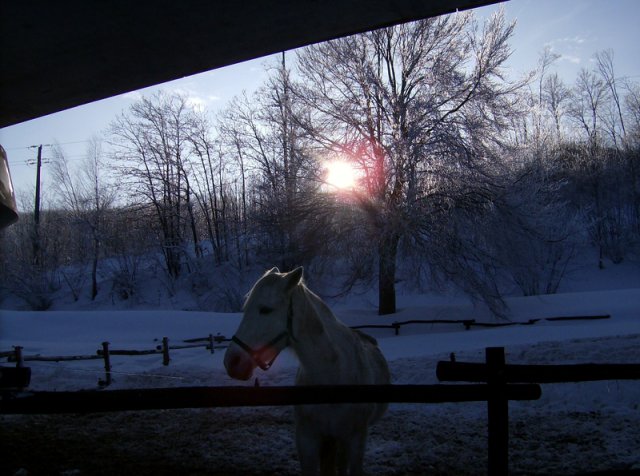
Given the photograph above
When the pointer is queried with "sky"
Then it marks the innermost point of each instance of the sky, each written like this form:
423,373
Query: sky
574,29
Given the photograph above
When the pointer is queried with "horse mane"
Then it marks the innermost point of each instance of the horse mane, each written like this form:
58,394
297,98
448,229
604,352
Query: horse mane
365,337
323,311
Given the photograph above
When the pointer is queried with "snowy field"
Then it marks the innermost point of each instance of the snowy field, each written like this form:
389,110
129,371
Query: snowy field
573,429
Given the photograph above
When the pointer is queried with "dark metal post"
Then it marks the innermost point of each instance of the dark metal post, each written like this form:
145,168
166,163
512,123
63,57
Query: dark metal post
19,358
165,351
36,211
107,363
36,208
498,413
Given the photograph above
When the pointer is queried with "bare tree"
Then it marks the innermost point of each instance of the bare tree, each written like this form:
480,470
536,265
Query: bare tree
632,107
536,233
613,117
415,106
596,163
589,97
232,140
210,196
632,141
34,282
151,141
556,98
260,132
87,194
545,61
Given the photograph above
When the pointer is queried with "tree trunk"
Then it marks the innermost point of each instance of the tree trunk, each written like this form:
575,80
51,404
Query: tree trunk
94,269
192,222
387,253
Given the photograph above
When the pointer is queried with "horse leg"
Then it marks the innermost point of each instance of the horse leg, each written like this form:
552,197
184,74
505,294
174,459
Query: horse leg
309,447
342,463
354,453
328,451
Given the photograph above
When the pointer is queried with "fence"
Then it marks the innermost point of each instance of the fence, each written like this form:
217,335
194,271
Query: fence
469,323
499,376
501,383
16,355
204,397
211,342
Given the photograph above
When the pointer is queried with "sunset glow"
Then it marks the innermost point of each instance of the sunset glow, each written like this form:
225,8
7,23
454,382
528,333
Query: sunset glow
340,174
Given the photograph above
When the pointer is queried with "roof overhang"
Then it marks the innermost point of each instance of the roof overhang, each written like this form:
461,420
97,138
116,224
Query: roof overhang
57,55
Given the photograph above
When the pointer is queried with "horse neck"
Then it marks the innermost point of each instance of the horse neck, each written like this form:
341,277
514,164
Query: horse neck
314,329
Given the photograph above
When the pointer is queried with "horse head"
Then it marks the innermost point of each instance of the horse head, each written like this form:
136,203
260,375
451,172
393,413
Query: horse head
267,324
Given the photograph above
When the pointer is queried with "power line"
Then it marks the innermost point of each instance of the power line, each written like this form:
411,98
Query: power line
74,142
39,146
35,162
20,148
31,162
22,163
47,145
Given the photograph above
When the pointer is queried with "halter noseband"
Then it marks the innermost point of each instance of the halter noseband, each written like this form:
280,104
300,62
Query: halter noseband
256,354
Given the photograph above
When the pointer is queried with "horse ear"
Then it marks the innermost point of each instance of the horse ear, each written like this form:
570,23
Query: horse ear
273,270
294,277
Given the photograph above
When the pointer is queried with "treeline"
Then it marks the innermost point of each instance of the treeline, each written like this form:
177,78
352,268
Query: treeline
464,176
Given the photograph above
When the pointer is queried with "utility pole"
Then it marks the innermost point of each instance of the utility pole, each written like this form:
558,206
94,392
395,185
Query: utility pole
36,211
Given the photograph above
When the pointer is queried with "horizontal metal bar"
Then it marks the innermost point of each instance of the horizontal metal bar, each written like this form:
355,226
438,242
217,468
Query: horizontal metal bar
206,397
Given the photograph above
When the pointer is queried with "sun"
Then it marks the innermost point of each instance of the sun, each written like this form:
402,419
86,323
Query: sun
340,174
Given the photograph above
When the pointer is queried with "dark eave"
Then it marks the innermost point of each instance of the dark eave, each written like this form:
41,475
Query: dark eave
55,55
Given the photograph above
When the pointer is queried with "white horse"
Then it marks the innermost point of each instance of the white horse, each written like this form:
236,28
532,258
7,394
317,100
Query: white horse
281,311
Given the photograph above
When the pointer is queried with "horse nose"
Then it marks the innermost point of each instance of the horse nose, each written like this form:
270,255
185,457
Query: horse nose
238,366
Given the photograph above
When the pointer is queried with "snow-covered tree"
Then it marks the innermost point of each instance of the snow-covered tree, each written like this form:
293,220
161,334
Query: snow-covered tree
416,107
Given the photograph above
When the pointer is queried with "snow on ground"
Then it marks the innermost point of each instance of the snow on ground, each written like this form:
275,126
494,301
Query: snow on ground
573,429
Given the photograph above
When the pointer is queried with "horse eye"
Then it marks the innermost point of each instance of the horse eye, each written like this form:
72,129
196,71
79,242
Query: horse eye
265,310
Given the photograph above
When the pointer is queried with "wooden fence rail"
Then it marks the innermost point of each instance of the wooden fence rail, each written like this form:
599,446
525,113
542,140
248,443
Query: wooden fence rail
211,341
16,355
14,377
91,401
469,323
477,372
